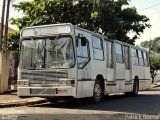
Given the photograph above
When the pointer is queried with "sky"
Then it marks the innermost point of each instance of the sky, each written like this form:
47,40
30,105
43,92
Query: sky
150,8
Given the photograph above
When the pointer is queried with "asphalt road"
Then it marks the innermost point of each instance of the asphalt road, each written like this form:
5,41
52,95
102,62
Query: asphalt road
113,107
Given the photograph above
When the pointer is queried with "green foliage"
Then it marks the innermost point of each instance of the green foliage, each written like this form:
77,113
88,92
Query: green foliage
145,44
13,41
154,65
154,45
106,17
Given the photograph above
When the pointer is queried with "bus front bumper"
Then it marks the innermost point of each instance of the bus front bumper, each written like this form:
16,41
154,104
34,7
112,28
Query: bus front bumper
46,91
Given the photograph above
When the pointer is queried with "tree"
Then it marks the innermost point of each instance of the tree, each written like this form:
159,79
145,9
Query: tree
105,17
13,41
146,44
154,66
153,45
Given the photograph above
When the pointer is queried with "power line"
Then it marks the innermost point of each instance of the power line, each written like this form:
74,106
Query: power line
151,6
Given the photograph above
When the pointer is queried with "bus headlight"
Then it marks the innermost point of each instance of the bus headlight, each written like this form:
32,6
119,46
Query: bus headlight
26,82
22,82
62,82
67,82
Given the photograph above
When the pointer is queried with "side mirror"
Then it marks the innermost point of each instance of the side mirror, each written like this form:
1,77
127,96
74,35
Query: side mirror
83,41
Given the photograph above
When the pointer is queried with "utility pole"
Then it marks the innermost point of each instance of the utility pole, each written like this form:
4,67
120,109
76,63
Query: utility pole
6,25
2,24
4,55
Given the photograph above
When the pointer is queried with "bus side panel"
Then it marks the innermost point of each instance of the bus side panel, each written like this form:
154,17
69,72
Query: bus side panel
143,74
139,71
147,78
120,77
110,89
98,67
85,82
88,74
128,81
85,89
110,74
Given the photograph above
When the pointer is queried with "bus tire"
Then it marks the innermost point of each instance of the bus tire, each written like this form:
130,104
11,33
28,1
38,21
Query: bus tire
53,100
97,92
135,89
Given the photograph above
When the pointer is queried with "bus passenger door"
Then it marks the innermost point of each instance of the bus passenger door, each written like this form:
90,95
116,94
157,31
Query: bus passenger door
119,68
83,68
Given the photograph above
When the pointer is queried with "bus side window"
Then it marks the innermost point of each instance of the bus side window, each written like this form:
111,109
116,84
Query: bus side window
127,59
145,59
110,54
97,48
134,56
140,58
82,53
119,53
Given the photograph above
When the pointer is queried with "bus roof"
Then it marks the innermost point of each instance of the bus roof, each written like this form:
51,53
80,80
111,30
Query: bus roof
31,30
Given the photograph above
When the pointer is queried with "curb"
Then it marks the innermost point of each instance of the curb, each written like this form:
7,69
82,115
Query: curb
156,86
22,103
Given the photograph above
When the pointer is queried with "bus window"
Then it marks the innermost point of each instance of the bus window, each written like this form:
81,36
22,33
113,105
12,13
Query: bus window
126,55
134,56
110,55
119,53
82,53
145,59
140,58
97,48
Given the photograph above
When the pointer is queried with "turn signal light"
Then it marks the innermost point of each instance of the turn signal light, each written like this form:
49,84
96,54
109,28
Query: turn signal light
73,82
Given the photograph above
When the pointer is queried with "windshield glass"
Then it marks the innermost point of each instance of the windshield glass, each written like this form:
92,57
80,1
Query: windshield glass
47,53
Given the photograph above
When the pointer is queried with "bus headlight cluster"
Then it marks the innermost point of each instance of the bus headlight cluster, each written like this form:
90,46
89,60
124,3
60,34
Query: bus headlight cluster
67,82
64,82
23,82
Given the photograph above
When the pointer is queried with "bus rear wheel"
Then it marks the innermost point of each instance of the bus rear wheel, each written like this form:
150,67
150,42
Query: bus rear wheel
97,92
135,89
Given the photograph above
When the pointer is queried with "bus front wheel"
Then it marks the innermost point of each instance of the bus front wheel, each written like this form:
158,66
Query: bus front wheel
97,92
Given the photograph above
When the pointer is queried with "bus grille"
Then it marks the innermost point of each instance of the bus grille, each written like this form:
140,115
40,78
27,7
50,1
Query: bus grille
43,91
44,77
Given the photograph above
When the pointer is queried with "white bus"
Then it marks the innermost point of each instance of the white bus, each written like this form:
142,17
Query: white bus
62,60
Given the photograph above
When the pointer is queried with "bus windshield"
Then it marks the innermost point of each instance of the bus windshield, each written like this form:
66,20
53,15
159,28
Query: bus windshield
47,53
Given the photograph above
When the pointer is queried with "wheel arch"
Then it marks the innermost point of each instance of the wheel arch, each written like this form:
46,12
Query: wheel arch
136,78
101,79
